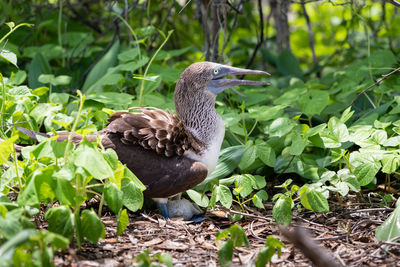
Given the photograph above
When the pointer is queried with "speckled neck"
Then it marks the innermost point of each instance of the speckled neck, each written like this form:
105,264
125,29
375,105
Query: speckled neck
196,109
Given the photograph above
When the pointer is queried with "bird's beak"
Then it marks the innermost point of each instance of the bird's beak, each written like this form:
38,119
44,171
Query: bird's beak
218,84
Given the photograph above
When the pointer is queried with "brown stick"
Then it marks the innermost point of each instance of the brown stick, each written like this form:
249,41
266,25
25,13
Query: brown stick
317,254
377,83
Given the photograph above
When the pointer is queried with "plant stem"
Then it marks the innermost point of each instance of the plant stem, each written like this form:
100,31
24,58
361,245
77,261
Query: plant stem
148,65
82,100
13,29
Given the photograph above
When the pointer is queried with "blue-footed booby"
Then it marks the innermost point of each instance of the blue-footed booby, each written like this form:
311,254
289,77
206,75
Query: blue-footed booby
171,153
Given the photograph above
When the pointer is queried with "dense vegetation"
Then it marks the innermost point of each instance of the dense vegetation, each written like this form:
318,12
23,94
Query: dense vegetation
329,124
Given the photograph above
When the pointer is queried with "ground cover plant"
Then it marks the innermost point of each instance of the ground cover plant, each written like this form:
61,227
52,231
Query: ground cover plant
318,148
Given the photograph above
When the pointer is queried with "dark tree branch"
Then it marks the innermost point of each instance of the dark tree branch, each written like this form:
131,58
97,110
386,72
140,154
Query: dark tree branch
310,36
261,38
375,84
279,9
83,18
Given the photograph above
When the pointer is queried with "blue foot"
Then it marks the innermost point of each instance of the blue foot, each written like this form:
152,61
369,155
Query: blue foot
164,210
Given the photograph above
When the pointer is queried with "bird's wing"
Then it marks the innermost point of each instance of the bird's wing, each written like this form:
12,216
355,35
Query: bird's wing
153,129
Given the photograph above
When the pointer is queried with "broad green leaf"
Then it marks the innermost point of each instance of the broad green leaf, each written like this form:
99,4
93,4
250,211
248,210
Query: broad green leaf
6,148
390,163
92,160
92,227
280,127
111,157
123,220
225,253
9,56
200,199
60,221
111,98
390,228
366,172
298,145
228,161
224,196
258,181
346,115
38,66
288,64
132,196
315,130
245,183
313,102
113,197
128,55
266,154
101,67
282,211
336,134
7,249
259,197
315,201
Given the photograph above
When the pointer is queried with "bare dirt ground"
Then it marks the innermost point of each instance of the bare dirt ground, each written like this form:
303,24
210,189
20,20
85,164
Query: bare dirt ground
347,233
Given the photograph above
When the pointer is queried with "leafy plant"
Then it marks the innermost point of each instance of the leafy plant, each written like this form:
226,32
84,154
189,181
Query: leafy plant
236,237
145,260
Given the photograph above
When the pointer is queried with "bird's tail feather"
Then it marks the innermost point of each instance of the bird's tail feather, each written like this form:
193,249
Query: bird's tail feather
31,134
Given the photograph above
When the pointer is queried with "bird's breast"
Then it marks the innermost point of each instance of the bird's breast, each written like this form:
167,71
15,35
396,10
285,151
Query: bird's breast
209,156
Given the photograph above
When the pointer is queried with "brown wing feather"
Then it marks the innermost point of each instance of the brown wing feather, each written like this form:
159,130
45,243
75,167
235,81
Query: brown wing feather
153,129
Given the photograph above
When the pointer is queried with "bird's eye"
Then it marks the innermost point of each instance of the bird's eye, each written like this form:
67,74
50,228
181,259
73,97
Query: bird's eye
216,71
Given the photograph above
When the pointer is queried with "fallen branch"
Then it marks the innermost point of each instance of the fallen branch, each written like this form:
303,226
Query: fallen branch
317,254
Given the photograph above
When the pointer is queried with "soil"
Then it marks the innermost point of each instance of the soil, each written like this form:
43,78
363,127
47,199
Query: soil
346,233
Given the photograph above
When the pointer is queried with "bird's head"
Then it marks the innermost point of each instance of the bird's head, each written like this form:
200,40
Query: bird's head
210,78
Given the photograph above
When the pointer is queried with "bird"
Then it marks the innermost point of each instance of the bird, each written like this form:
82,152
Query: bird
171,153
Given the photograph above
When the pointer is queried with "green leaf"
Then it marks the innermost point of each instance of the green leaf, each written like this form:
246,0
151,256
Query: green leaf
198,198
6,148
266,154
38,66
60,221
224,196
225,253
335,135
288,64
314,102
366,172
245,183
92,227
315,130
346,115
249,156
113,197
315,201
111,98
122,223
228,161
92,160
259,197
390,163
9,56
7,249
298,145
390,228
280,127
100,69
282,211
132,196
